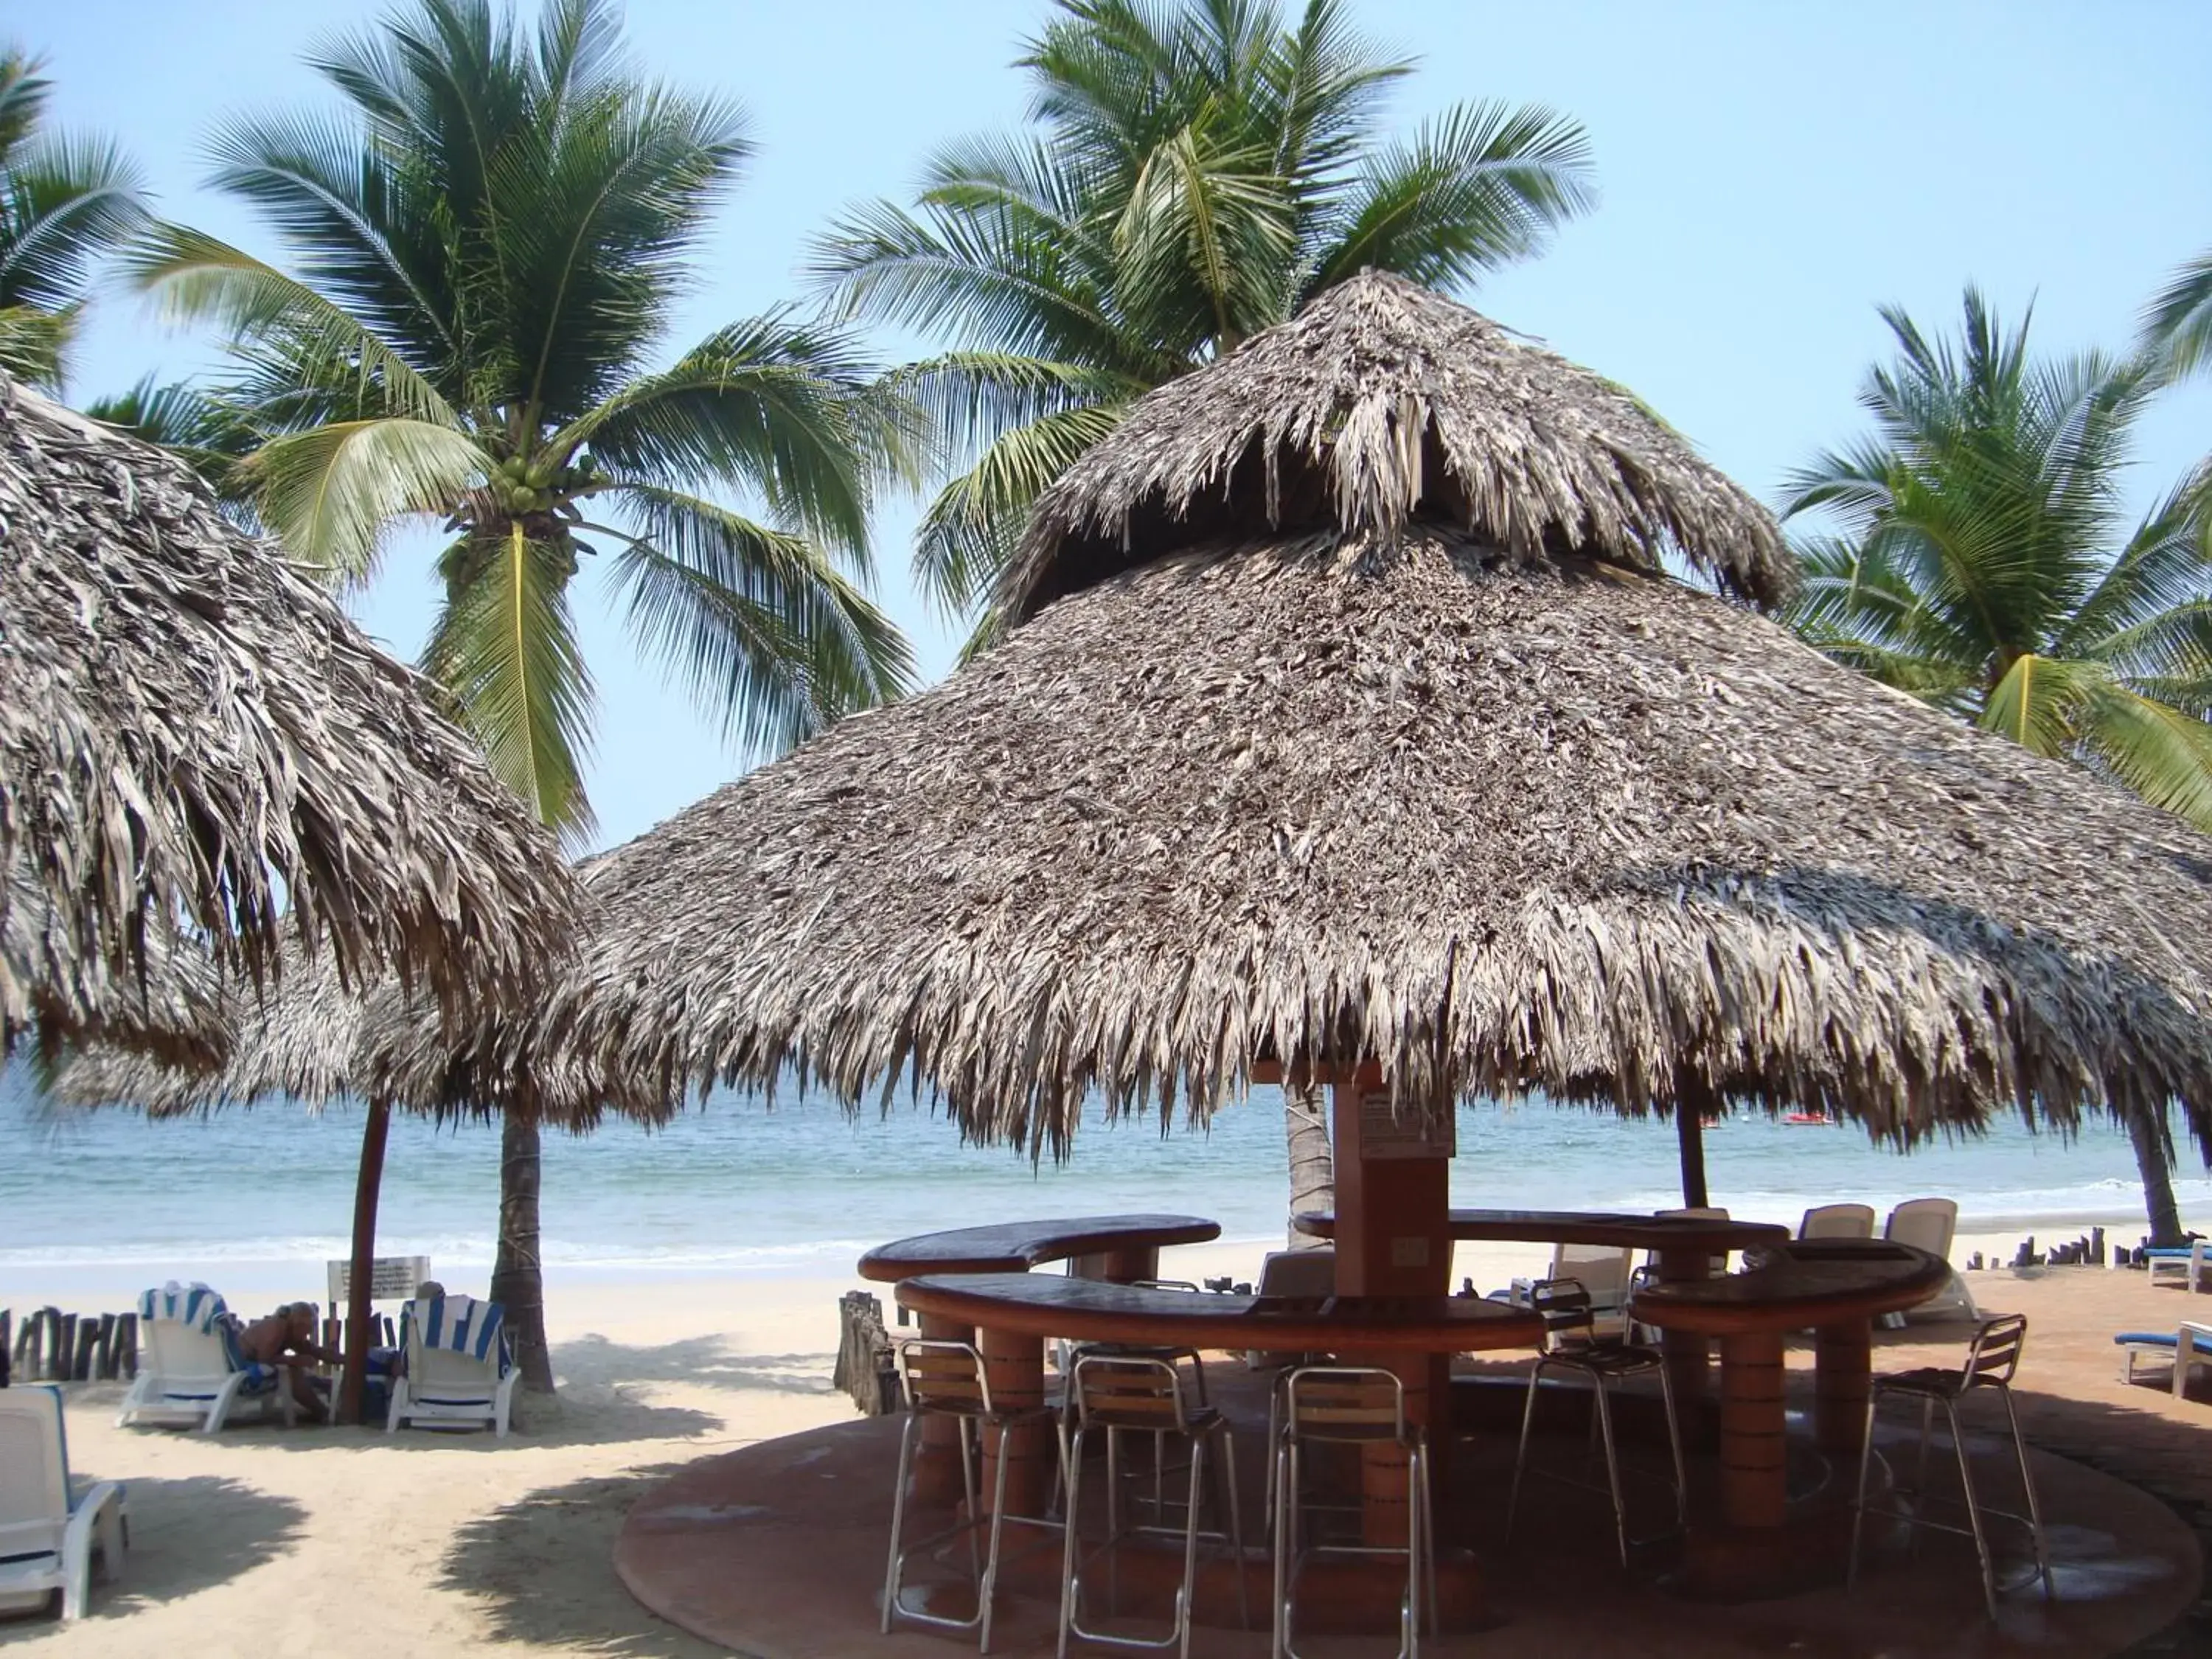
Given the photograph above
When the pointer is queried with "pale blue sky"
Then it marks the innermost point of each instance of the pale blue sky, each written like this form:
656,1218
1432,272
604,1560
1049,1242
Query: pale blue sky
1768,173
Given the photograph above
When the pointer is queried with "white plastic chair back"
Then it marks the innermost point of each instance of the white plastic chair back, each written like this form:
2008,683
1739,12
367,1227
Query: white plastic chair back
1926,1224
1603,1270
191,1363
1298,1273
34,1474
1837,1221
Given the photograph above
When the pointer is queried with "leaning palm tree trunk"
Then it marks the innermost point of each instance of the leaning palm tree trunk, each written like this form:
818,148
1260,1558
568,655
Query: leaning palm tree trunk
518,1278
2154,1158
1313,1163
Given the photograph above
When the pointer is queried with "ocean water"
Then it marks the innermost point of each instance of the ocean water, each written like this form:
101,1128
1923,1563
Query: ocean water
739,1187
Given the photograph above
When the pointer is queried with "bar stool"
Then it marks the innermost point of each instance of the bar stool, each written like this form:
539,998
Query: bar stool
1571,1344
1359,1406
1120,1392
1071,1352
1992,1360
948,1379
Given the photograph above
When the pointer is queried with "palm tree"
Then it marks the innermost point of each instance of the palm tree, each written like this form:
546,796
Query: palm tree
2177,324
65,204
485,248
1980,559
1196,170
201,430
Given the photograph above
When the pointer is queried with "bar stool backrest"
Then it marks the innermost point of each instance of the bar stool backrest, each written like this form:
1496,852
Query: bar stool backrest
1564,1304
1129,1391
1343,1402
1837,1221
1995,1355
944,1377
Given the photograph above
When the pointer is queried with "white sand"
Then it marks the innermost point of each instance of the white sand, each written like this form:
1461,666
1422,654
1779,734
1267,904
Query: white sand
348,1541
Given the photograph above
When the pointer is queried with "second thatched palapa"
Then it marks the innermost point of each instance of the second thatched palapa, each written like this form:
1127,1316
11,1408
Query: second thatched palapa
1352,714
192,733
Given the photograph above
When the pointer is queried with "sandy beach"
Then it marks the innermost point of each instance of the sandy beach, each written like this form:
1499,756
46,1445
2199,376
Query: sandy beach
349,1542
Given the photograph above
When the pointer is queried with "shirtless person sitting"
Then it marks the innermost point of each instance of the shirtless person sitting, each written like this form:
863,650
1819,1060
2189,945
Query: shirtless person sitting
286,1341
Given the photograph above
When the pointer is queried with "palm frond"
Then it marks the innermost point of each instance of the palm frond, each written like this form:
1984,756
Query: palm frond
2177,324
2162,753
969,533
2037,701
753,620
1481,186
68,202
773,404
209,434
34,345
334,492
200,279
505,644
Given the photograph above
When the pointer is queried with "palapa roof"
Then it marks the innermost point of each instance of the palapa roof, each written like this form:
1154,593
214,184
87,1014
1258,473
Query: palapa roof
316,1040
1505,808
191,730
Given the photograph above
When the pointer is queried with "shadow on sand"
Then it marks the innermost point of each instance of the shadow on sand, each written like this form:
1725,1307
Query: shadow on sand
543,1570
232,1528
702,1361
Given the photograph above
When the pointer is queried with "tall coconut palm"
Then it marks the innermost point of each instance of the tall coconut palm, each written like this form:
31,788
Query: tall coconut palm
485,248
1979,559
66,202
1193,171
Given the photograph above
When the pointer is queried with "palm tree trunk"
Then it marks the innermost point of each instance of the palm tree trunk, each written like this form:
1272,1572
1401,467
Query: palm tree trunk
369,1182
518,1279
2154,1158
1313,1163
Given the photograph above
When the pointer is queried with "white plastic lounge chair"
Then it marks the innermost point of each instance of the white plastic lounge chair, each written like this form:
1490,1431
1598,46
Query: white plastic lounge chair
2190,1345
1606,1271
2186,1262
192,1369
1837,1221
458,1374
1292,1273
1930,1224
49,1533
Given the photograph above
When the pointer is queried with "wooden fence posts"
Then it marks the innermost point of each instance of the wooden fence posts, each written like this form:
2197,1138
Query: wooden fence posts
52,1346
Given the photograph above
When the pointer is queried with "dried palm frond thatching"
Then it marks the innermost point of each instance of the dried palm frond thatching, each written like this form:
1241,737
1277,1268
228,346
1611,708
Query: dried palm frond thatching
192,733
1501,818
315,1041
1380,403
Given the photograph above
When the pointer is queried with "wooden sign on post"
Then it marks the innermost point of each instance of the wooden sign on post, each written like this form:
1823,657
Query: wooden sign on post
1384,1133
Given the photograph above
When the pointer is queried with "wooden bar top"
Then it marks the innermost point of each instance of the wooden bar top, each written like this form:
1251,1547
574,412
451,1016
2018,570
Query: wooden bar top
1082,1309
1647,1232
1012,1247
1804,1284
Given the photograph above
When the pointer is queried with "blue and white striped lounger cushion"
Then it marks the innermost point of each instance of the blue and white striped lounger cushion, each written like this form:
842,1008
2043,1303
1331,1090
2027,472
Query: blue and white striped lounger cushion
201,1309
192,1304
461,1324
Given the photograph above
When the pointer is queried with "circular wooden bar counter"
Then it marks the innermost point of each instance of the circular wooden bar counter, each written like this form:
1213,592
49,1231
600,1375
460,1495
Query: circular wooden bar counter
1834,1287
1684,1247
1130,1243
1129,1246
1016,1312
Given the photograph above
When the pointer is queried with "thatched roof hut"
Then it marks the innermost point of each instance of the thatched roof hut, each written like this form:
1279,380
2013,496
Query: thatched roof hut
1352,714
191,730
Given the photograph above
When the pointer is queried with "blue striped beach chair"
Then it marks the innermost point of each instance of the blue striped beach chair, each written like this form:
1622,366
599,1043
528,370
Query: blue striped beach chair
190,1369
456,1373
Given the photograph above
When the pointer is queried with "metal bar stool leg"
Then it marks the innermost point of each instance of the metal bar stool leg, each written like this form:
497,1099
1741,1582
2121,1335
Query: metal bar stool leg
1858,1507
989,1591
1973,1510
1235,1525
1070,1565
898,1518
1675,1445
2027,1485
1195,1502
1920,1476
1520,1458
1603,1408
